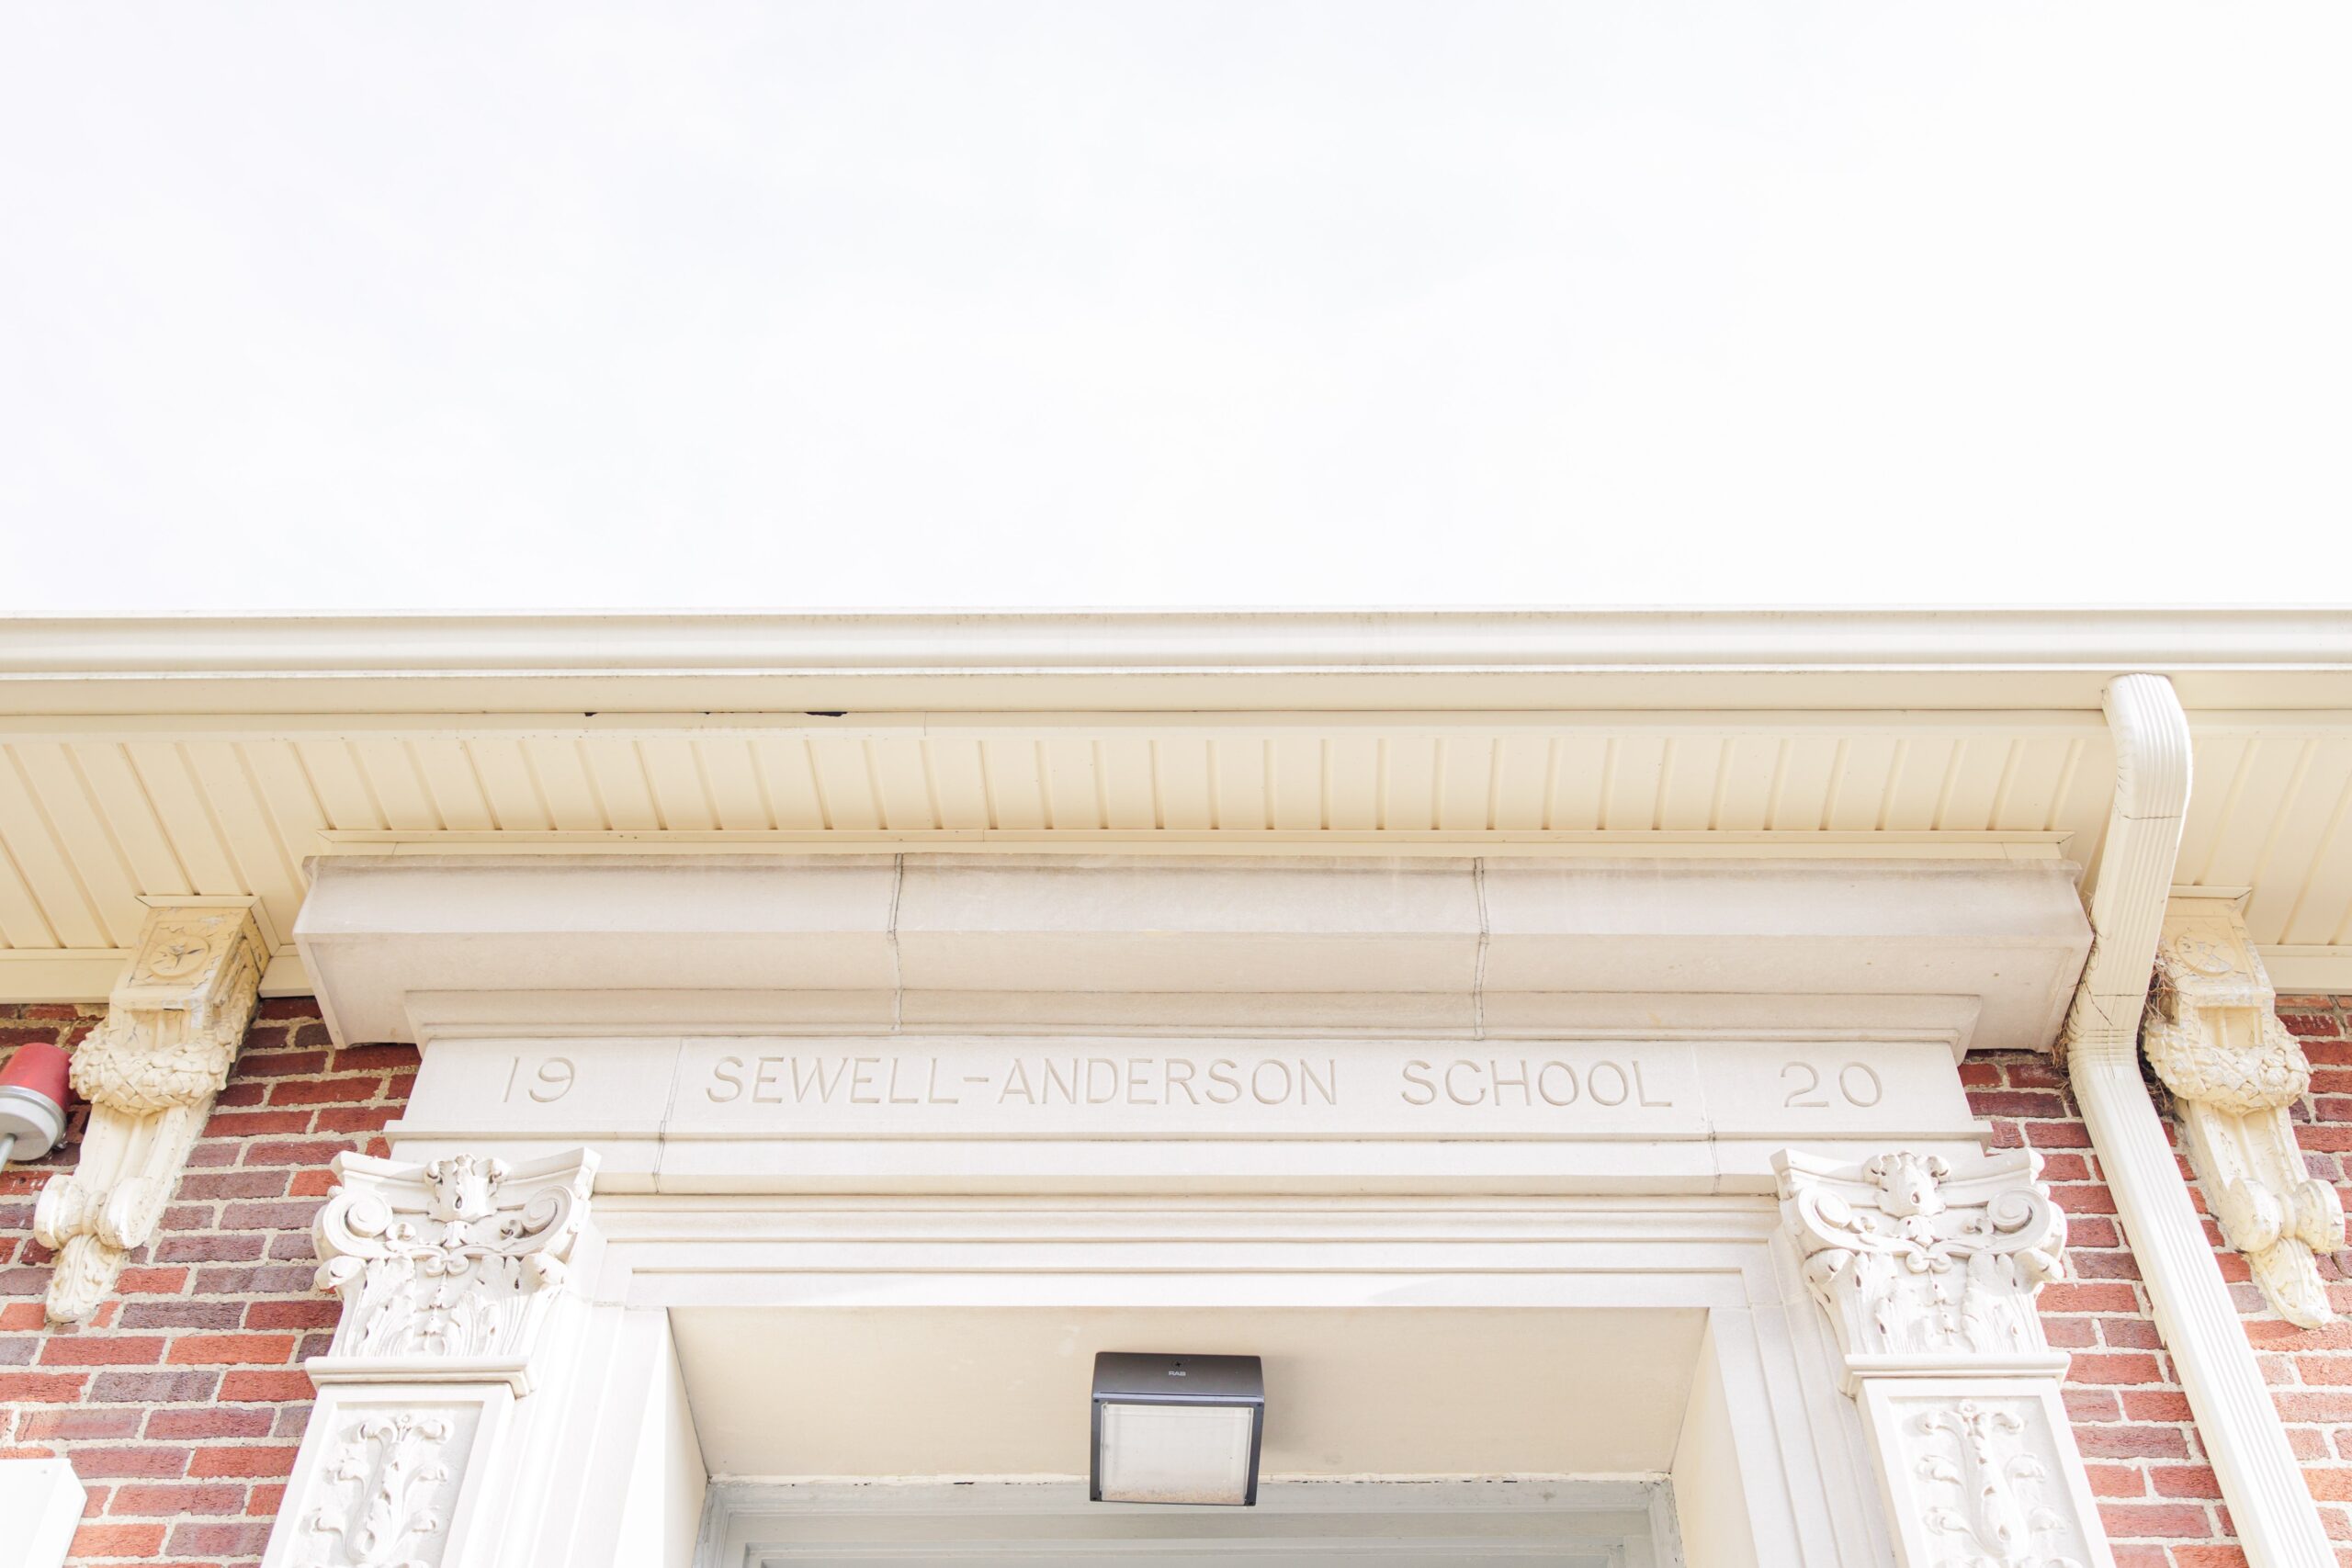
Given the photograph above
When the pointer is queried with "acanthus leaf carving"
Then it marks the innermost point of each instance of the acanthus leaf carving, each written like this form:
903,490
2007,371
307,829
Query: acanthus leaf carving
1986,1492
2213,1034
150,1071
457,1259
1911,1259
389,1481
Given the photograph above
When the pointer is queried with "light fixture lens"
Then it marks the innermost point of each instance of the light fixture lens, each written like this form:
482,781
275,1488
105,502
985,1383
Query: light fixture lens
1177,1428
1176,1453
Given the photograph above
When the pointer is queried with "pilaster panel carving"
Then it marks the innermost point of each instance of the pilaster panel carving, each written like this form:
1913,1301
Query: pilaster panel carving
2213,1034
1928,1268
387,1485
1979,1478
150,1071
458,1260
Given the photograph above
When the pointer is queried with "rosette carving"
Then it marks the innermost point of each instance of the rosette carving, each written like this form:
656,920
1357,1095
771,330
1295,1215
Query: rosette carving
2213,1034
172,1031
457,1259
1913,1258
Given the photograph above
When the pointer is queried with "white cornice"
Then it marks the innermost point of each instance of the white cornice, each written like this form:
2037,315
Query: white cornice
1164,659
1985,951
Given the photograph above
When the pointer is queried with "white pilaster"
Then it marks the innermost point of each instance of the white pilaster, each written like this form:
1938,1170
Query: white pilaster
454,1277
1928,1270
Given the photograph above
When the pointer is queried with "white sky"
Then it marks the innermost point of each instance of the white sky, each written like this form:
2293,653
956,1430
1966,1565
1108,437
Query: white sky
972,304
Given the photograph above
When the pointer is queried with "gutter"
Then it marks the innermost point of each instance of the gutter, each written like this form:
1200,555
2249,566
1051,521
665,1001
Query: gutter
1552,641
1992,664
2277,1522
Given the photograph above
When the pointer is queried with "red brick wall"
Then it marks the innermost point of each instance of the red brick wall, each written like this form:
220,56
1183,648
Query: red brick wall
181,1404
2157,1493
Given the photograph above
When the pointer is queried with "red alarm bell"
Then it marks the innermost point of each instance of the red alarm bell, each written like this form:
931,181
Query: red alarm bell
33,1095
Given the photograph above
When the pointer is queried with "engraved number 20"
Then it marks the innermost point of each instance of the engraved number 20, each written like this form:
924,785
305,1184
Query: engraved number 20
1857,1082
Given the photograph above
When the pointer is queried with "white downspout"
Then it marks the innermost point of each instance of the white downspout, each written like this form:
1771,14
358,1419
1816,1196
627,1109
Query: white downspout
2278,1523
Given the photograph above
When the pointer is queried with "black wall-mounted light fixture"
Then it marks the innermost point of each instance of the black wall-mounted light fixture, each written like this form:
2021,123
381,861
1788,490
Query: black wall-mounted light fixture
1177,1428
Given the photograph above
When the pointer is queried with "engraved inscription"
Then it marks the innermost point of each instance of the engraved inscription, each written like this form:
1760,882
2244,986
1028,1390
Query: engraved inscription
549,1081
1858,1084
1191,1087
1021,1080
1525,1081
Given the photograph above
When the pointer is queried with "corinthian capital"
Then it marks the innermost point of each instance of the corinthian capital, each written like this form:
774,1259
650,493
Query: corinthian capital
1929,1268
172,1029
2212,1036
1924,1261
447,1270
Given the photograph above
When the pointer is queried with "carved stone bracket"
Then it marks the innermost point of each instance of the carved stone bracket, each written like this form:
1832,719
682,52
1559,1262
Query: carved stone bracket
1928,1268
2212,1036
173,1028
449,1267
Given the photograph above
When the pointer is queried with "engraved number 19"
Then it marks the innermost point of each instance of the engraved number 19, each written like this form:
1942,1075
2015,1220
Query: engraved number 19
554,1077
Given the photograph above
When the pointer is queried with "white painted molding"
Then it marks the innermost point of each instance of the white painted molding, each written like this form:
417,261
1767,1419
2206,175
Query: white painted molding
1626,1523
175,1022
2278,1523
2215,1040
2308,967
359,645
1928,1270
88,974
824,663
40,1504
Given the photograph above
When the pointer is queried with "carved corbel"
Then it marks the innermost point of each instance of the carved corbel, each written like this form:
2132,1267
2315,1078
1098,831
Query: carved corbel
2213,1034
1927,1268
173,1027
447,1269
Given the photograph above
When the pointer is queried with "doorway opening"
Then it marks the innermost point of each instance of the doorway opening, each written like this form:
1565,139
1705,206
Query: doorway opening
1555,1521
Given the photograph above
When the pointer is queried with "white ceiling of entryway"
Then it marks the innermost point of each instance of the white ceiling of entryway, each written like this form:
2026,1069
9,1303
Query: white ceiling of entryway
1386,1390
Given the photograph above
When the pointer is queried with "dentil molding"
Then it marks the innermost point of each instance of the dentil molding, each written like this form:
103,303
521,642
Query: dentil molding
2212,1036
150,1071
1928,1268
